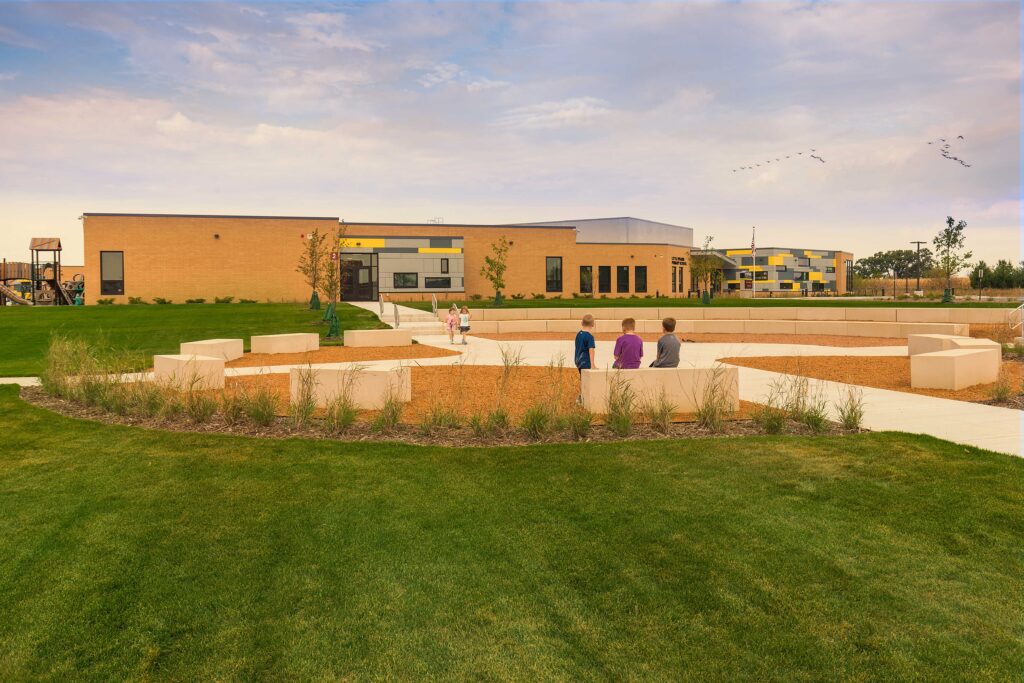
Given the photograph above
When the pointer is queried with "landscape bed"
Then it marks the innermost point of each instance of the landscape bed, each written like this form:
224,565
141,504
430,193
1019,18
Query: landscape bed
143,554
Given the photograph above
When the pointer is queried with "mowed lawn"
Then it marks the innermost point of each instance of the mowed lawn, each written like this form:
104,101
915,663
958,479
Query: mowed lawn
723,301
146,330
135,554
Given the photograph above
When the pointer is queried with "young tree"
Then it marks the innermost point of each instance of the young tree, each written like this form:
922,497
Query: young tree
311,264
703,266
950,256
495,265
332,265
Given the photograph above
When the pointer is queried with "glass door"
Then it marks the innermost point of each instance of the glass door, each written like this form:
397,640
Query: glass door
359,277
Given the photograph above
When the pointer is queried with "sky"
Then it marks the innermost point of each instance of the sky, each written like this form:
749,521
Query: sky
514,112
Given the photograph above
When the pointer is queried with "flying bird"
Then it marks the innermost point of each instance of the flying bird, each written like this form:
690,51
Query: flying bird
778,160
815,156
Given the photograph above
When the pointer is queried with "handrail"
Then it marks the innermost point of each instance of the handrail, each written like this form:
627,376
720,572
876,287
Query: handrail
433,303
1019,313
380,297
397,321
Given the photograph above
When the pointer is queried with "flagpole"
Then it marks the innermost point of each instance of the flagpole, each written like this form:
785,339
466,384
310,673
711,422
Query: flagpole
753,262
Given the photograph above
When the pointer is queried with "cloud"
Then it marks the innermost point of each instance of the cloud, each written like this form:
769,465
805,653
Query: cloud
439,74
11,37
486,84
574,112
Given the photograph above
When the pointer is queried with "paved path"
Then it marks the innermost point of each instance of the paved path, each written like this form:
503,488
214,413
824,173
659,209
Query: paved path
20,381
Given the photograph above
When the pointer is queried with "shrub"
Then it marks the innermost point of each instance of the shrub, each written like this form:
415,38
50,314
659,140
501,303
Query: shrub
579,420
537,296
195,301
476,297
136,300
223,299
850,409
114,396
172,406
537,420
816,414
247,301
387,418
303,404
771,419
621,406
657,411
518,296
478,424
161,301
714,406
232,408
145,399
200,406
105,302
498,421
1001,390
340,414
260,405
67,360
438,418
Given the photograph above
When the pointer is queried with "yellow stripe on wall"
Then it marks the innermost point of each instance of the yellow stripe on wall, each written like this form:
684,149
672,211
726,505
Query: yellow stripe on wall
736,252
440,250
815,276
364,242
777,260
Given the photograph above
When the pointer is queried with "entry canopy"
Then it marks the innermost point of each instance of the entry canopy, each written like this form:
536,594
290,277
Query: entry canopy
44,244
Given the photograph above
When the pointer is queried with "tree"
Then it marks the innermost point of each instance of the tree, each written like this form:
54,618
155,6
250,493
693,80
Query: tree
902,263
1002,275
980,276
311,264
704,267
950,256
332,267
495,265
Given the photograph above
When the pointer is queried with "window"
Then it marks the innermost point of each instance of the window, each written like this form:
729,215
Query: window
799,277
444,266
747,261
761,275
680,279
553,278
761,261
803,262
640,278
604,279
407,280
622,279
785,285
830,269
437,282
111,272
586,279
673,280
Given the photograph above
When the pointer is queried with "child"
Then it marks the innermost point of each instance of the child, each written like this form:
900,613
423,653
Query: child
629,348
464,323
451,321
585,346
668,346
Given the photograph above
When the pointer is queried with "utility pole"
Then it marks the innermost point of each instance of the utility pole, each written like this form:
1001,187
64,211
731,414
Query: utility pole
917,266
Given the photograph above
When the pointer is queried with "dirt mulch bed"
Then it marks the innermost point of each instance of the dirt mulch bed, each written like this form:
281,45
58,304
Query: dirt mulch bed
714,338
405,433
999,333
887,372
467,390
340,354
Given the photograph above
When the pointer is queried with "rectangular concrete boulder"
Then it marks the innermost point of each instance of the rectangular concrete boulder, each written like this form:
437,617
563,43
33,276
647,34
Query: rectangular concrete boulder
684,386
952,370
567,327
727,313
297,342
609,326
480,327
189,371
994,350
598,313
769,326
929,343
521,326
718,326
549,313
775,313
922,315
820,313
956,329
399,337
691,313
366,388
228,349
876,315
500,314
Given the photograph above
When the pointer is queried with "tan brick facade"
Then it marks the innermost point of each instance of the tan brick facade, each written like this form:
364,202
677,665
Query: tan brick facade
185,257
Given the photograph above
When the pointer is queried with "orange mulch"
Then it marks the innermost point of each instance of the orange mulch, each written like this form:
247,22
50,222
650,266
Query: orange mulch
714,338
886,372
467,389
340,354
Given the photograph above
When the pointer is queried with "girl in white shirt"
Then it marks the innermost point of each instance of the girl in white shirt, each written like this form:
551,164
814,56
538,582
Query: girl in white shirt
464,322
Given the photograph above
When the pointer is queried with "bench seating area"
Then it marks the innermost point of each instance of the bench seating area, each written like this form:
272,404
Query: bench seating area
228,349
189,371
683,386
358,338
366,388
298,342
952,370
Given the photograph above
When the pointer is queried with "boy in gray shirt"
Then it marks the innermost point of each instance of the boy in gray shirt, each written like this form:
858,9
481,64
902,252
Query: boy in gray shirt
668,346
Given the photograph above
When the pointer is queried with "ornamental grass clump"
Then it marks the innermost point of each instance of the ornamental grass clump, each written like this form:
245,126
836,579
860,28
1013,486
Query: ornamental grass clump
770,416
621,406
260,404
303,403
145,399
537,420
440,417
715,404
1001,391
579,422
657,410
850,409
390,414
340,413
231,408
199,405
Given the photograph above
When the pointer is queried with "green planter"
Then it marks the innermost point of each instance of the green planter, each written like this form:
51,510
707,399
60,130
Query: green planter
314,302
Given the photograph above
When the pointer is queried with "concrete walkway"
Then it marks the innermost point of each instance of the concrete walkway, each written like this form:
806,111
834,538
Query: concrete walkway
21,381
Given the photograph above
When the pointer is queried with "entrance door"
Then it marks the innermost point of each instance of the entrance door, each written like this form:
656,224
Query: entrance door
359,277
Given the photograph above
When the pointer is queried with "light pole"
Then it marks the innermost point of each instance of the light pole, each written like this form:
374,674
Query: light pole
917,265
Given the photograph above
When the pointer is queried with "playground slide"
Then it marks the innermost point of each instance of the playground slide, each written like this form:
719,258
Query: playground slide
13,296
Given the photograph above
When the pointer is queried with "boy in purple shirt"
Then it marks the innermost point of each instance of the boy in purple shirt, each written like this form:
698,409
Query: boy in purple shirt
629,348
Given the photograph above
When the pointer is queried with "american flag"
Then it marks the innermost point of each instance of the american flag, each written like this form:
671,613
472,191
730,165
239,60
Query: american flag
753,248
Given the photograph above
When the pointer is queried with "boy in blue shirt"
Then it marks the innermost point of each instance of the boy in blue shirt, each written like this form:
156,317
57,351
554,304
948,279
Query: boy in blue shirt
585,345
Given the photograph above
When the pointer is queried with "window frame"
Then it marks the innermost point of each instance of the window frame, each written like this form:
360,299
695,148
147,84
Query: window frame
618,280
444,266
548,281
600,288
830,269
673,279
395,285
637,280
104,288
589,288
428,278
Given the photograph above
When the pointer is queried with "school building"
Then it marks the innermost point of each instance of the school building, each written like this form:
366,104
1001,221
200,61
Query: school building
774,269
181,257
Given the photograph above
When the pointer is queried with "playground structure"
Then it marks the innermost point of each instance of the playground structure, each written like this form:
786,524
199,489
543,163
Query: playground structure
39,282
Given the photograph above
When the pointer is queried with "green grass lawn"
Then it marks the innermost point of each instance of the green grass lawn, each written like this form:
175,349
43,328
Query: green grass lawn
718,301
135,554
25,331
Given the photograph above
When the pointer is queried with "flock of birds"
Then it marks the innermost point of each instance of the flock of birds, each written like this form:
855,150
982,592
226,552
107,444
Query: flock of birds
944,146
945,150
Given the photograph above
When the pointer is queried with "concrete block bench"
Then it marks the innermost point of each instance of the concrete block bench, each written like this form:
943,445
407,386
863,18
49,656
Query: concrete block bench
298,342
953,369
228,349
189,371
366,388
929,343
398,337
683,386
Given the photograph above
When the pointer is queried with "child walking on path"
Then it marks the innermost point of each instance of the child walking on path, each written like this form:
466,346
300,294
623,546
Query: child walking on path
585,345
464,323
629,348
451,322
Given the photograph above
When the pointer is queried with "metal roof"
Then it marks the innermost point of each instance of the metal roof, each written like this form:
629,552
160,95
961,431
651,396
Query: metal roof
44,244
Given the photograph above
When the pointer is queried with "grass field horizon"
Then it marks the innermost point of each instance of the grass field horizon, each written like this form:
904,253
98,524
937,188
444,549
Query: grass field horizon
139,554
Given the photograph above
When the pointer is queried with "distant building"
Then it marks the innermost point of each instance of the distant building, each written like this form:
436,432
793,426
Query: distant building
775,269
